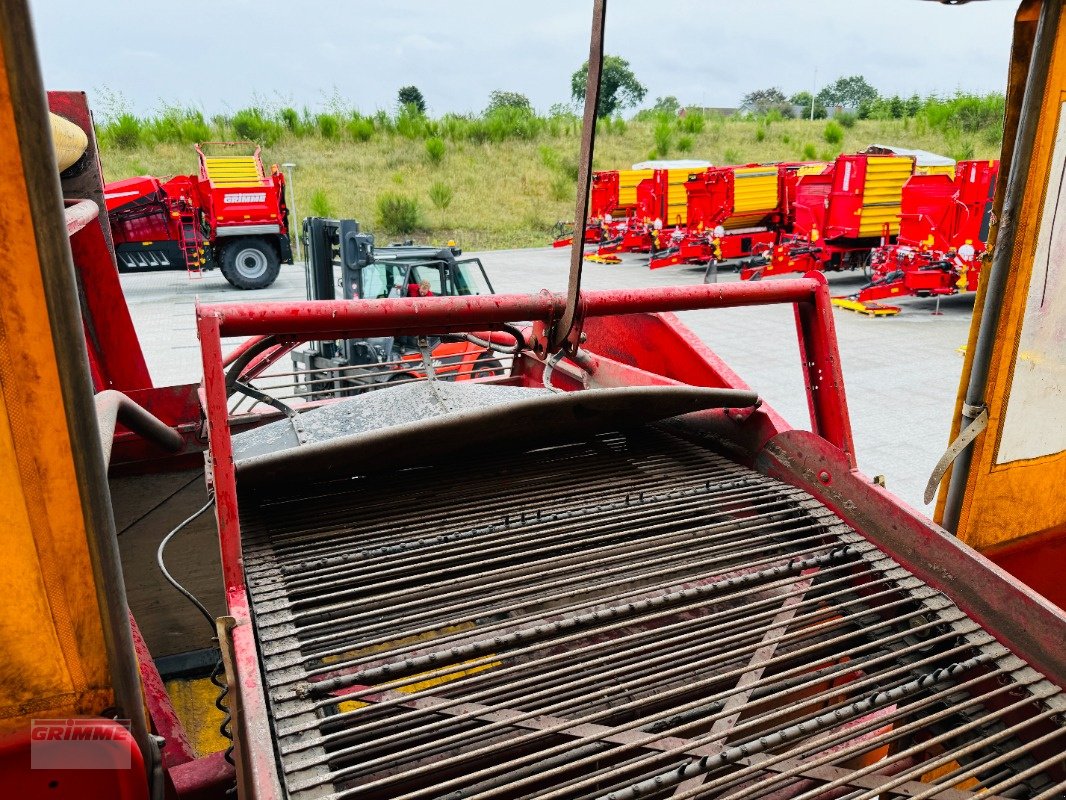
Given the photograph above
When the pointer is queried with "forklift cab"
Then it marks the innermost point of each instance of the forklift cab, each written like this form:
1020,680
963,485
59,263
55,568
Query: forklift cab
394,275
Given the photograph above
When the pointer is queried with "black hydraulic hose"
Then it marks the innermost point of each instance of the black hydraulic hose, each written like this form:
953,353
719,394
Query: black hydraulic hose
161,563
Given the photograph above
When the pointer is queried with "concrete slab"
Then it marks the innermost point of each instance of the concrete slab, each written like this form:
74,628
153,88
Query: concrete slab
901,373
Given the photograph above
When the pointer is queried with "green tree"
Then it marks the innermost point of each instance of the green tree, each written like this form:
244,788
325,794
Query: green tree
411,96
667,105
851,91
501,99
804,99
619,87
762,100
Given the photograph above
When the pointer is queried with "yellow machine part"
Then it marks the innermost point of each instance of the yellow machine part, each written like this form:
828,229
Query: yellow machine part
882,194
1014,488
233,171
811,169
755,189
676,197
68,140
627,184
868,309
55,661
944,169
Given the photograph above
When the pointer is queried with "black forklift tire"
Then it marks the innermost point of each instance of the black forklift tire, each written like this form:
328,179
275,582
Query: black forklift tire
487,366
250,263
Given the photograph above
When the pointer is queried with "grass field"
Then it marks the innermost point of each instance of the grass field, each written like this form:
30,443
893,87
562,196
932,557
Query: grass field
509,193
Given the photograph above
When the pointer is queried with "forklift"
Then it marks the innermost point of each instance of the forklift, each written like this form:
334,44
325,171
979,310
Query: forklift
340,257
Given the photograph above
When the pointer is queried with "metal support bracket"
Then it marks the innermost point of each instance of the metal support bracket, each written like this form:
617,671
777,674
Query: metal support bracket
979,415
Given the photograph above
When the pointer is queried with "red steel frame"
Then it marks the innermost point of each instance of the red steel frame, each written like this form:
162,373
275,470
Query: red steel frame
630,341
305,321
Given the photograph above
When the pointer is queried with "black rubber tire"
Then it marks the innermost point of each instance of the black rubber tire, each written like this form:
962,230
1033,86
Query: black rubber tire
250,262
486,366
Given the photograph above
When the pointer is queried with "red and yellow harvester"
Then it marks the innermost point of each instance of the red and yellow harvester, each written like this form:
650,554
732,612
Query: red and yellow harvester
231,215
733,212
841,214
613,195
943,228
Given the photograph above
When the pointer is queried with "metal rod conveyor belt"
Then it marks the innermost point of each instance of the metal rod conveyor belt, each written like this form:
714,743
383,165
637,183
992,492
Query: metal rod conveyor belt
632,616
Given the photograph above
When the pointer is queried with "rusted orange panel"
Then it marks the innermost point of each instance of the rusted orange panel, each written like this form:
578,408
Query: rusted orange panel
54,658
1014,487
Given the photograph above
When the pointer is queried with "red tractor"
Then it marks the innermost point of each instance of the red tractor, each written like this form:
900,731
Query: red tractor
943,228
232,215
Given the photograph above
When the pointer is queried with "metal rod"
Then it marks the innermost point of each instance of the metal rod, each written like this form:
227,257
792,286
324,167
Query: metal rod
570,318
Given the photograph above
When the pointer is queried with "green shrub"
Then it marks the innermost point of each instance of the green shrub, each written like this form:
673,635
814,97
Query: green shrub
360,129
961,150
509,122
684,144
663,134
809,152
124,132
435,150
291,120
847,119
319,204
177,126
441,194
568,168
329,127
733,156
760,132
398,214
692,122
833,133
786,139
562,188
251,124
549,156
410,123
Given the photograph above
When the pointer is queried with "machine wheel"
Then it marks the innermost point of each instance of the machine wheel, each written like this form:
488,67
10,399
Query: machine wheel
250,263
486,366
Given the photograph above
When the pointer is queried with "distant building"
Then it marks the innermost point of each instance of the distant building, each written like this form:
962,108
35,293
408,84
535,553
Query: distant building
708,111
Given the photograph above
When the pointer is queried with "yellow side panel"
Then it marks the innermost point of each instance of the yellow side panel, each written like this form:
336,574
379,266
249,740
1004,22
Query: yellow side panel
627,184
54,663
948,170
1015,486
677,197
754,189
811,169
233,170
882,194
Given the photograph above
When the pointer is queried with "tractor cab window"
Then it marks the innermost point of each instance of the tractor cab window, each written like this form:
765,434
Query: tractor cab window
425,281
469,278
381,280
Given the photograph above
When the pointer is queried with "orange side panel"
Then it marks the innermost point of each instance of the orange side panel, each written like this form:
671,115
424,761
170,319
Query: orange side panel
54,659
1015,485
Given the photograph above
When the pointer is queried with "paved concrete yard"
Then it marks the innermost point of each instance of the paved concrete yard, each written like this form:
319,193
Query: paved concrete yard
901,373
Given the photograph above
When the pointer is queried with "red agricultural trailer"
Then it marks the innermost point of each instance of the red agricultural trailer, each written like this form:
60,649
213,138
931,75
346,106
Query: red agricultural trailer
733,212
661,207
943,229
840,215
612,197
231,216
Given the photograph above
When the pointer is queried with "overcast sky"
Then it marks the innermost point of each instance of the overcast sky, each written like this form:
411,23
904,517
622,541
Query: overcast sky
227,54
